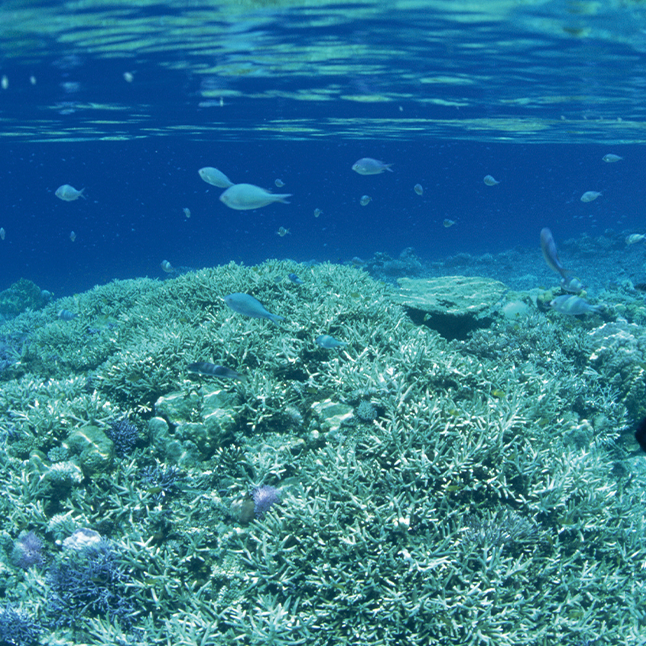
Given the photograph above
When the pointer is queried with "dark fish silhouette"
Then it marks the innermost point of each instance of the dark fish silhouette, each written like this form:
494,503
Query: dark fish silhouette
211,370
295,279
640,434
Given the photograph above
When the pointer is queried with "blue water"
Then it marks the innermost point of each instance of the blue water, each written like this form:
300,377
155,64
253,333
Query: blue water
534,98
136,191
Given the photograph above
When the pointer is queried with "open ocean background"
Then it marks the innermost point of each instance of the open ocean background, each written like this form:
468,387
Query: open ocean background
129,102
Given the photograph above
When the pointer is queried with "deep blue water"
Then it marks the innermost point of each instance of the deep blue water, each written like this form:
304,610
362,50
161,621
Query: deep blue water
533,97
133,216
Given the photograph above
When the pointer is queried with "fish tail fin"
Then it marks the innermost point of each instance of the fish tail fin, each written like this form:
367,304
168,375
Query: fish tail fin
275,318
283,198
82,193
388,167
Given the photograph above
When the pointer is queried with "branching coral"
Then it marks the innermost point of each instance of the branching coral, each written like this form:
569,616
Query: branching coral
471,491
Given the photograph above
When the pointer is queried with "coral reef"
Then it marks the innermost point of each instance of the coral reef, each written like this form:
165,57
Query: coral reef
17,628
264,498
476,488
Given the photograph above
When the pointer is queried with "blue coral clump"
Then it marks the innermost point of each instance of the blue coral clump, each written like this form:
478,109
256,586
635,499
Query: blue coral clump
167,479
124,435
27,551
366,411
89,583
17,628
264,498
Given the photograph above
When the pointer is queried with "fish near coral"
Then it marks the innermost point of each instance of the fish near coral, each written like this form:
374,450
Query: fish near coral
634,238
548,247
66,315
573,305
211,370
249,306
167,267
328,342
572,285
246,197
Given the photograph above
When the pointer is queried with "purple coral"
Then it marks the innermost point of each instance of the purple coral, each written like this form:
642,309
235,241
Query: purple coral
27,550
263,498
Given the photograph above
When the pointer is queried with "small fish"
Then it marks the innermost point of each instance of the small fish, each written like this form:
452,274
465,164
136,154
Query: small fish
573,305
490,181
548,247
369,166
66,315
634,238
357,262
590,196
365,200
68,193
215,177
317,212
571,284
282,232
295,279
72,236
245,197
250,306
279,183
419,189
328,342
211,370
187,212
448,223
2,233
167,267
611,157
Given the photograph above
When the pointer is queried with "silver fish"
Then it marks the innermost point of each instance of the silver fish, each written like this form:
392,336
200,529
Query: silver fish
573,305
548,246
369,166
215,177
246,197
66,315
634,238
571,284
211,370
68,193
328,342
250,306
590,196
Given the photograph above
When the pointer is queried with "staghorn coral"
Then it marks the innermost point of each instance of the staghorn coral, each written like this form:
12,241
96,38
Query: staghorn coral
17,628
490,479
